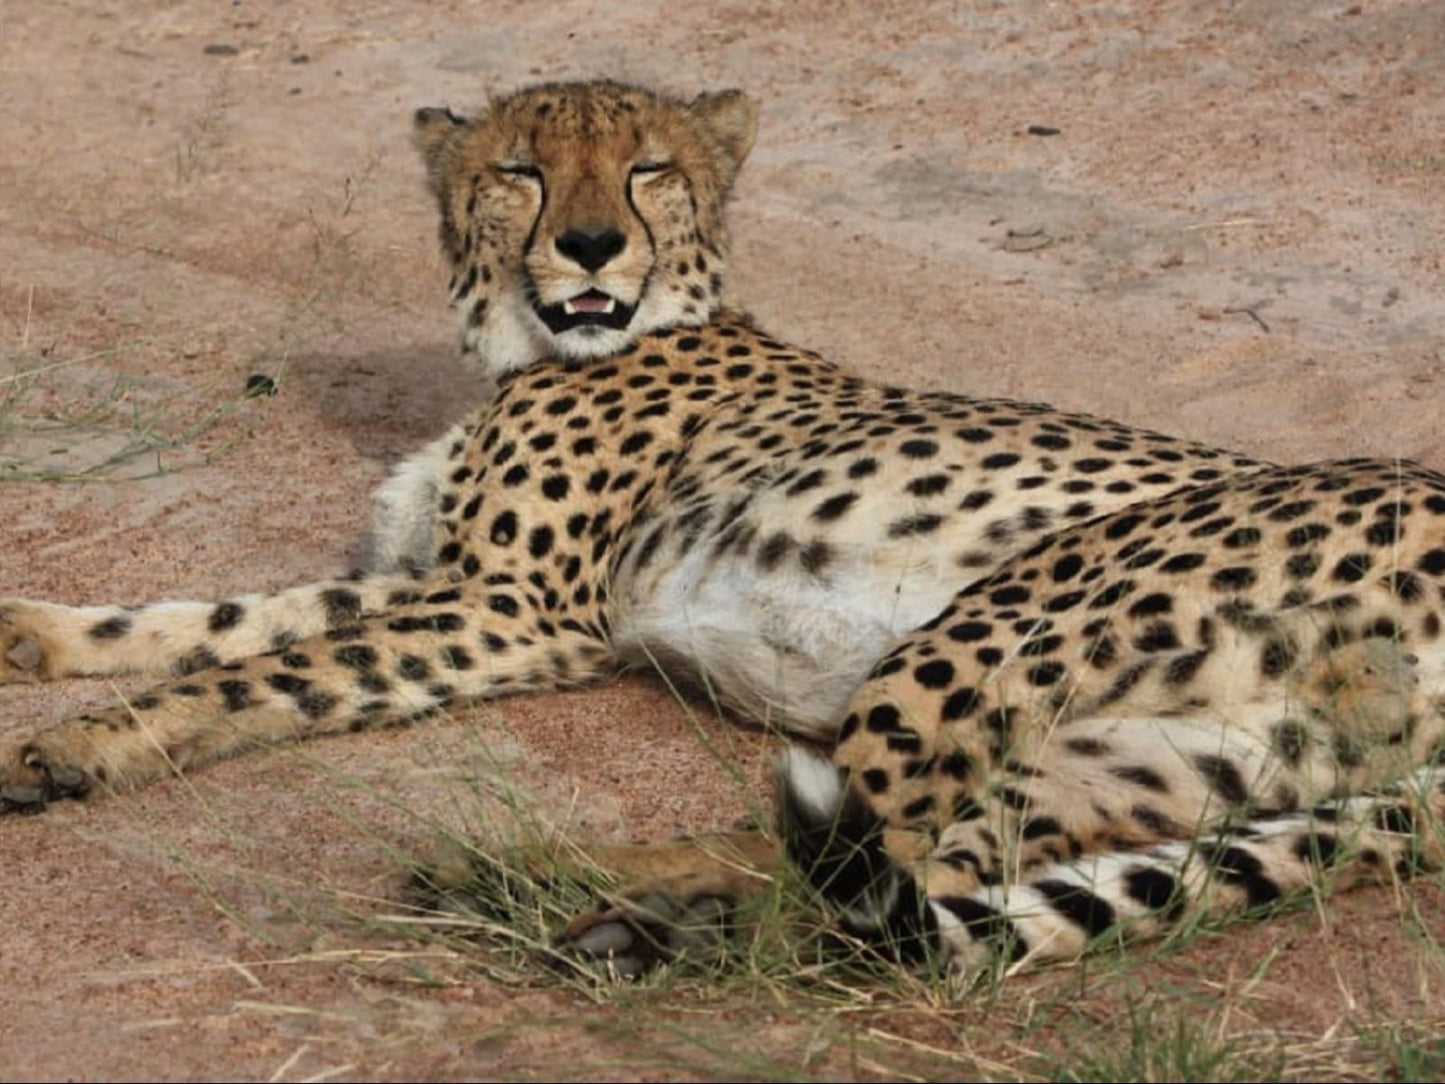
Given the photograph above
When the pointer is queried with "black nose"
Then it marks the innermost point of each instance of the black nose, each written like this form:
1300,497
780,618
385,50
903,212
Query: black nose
590,249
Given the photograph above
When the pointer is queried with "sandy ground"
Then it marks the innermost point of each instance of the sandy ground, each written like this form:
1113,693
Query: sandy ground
1235,234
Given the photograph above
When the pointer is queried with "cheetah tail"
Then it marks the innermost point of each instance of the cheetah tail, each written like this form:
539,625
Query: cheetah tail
1058,914
836,841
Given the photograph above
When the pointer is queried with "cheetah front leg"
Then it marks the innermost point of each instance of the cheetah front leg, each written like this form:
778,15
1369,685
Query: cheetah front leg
45,641
414,659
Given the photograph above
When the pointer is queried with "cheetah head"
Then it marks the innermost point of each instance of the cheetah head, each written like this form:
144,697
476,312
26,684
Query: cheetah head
578,216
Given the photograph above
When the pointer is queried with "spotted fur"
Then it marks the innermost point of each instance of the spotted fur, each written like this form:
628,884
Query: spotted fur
1078,677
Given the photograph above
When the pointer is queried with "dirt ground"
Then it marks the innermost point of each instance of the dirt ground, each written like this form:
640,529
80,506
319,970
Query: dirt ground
1235,233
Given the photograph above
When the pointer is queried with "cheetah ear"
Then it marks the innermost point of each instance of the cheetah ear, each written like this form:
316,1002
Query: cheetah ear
732,118
431,130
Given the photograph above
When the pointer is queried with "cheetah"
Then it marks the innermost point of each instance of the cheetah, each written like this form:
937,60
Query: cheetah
1077,680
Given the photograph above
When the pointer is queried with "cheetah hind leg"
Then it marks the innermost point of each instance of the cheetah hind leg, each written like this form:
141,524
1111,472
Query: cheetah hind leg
635,906
1056,914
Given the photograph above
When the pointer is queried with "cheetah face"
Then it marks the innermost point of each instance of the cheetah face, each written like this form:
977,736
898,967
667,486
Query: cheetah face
579,216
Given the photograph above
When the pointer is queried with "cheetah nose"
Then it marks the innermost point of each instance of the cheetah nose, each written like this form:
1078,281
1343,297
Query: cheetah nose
591,249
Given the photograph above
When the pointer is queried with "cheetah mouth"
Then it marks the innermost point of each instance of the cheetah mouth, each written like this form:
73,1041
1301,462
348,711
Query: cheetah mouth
591,308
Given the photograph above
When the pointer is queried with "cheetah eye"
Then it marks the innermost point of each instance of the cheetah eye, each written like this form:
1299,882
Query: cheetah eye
518,169
650,167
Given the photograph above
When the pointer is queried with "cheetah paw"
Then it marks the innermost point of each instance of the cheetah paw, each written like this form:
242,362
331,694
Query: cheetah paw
631,935
22,649
29,781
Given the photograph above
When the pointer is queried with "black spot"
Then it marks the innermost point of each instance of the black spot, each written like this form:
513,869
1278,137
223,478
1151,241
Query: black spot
1182,669
1363,496
1151,605
1067,567
1319,848
934,674
342,606
956,765
1111,594
413,668
1236,578
1351,568
1013,595
1077,904
923,523
112,628
1234,865
505,605
774,549
1405,586
1156,890
504,528
1141,776
632,445
1305,534
1065,601
198,658
929,485
1046,673
1395,818
1184,562
999,460
1289,739
454,657
225,616
539,542
235,694
1384,532
983,923
1157,636
1156,822
815,556
356,656
884,718
1277,657
918,807
1038,827
812,480
959,704
834,507
968,632
1101,653
289,684
1302,565
1223,777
